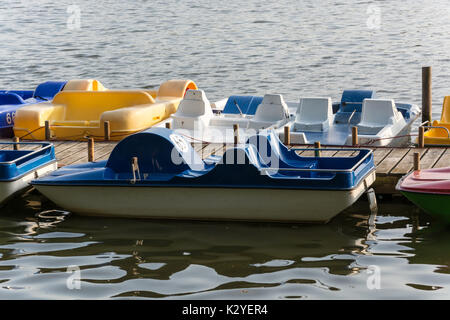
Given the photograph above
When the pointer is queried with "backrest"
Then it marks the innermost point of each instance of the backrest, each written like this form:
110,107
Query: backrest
247,104
49,89
275,154
352,99
84,85
10,98
24,94
89,105
271,151
194,104
378,111
445,116
159,150
272,109
175,88
314,109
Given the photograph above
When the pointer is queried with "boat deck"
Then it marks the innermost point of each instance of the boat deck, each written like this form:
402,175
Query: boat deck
391,163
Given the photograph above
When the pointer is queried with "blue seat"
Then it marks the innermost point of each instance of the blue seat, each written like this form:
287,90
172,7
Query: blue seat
47,90
350,107
247,104
352,99
271,148
9,98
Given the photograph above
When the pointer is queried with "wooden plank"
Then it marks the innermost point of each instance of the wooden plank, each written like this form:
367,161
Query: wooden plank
444,161
210,149
105,151
379,154
65,156
345,153
6,146
385,166
100,149
198,146
304,153
405,165
64,146
329,153
432,155
222,150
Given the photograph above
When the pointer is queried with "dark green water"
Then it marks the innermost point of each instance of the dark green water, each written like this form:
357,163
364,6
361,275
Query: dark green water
123,258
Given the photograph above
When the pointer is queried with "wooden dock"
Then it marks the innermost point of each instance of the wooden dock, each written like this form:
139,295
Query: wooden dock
391,163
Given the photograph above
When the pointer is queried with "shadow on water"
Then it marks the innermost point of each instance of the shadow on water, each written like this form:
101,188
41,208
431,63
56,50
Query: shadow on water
150,258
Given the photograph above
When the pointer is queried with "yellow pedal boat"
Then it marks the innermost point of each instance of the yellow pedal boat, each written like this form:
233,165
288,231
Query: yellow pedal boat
81,109
439,132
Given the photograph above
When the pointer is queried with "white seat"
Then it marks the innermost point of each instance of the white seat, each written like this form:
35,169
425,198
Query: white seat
378,114
194,111
313,114
272,111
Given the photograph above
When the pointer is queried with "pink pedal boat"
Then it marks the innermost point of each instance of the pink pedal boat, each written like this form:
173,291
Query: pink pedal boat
429,189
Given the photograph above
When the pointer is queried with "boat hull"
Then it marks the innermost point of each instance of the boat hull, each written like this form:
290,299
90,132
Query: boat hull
9,189
199,203
437,205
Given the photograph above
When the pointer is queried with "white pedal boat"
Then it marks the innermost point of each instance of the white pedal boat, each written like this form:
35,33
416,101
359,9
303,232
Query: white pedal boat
157,174
19,167
196,117
380,122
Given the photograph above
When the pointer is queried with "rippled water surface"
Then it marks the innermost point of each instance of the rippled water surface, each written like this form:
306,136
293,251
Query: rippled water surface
291,47
124,258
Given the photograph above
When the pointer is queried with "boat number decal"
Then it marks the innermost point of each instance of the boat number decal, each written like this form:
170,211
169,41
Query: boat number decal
10,117
179,142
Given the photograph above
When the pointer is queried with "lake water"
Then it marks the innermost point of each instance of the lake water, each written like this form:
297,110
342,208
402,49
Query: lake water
295,48
400,253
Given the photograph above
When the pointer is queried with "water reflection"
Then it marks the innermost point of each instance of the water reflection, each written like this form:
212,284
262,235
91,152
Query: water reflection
130,258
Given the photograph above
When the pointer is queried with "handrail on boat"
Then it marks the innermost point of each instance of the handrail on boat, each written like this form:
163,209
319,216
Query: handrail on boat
327,170
439,127
351,116
45,146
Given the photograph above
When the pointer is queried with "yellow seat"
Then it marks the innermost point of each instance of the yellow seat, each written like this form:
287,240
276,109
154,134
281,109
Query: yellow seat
440,136
75,115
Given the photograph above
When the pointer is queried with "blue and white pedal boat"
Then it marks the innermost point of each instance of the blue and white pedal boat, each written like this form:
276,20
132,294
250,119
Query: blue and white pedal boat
11,100
157,174
380,122
19,167
201,120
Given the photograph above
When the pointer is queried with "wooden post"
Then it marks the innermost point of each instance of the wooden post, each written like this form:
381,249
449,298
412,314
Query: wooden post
168,125
426,94
416,161
107,127
91,149
354,136
421,142
287,136
16,146
47,130
236,133
317,146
